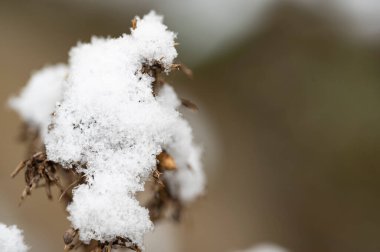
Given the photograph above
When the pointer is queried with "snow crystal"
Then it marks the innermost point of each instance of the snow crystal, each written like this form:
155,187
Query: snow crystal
110,122
38,99
11,239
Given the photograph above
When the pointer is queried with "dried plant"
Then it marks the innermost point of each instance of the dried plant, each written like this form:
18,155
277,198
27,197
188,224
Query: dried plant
36,168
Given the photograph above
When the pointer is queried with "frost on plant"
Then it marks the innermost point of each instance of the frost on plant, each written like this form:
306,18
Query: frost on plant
12,239
115,123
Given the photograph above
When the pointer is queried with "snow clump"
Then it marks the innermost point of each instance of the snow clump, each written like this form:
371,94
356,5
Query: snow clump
11,239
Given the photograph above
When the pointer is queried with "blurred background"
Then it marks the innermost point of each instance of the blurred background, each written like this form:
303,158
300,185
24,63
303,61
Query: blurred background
288,92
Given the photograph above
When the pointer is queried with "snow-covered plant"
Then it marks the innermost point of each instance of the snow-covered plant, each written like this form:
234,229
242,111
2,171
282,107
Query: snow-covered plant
11,239
110,118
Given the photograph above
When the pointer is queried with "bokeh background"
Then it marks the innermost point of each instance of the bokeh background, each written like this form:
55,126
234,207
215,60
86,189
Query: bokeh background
289,97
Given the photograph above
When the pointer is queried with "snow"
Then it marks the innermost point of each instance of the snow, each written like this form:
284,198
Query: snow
109,121
265,247
189,181
11,239
37,100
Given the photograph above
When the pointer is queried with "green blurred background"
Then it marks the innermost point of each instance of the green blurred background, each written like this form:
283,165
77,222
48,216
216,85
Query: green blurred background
288,93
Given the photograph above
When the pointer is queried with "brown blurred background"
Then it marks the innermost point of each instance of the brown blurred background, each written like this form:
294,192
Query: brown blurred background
289,120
